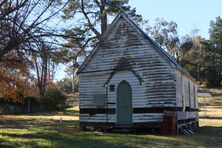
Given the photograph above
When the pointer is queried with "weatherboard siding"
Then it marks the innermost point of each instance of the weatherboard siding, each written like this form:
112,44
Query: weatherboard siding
157,88
161,86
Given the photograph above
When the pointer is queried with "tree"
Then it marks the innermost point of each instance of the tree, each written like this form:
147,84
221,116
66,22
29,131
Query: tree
65,85
91,22
23,22
15,78
202,58
215,48
24,25
44,66
54,99
165,33
192,56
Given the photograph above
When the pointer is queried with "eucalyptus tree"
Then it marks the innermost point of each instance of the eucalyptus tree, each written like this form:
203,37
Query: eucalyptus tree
165,33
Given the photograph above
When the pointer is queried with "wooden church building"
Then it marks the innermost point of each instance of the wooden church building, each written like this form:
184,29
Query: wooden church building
128,80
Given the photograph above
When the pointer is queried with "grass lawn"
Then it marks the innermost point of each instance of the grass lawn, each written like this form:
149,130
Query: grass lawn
215,99
45,130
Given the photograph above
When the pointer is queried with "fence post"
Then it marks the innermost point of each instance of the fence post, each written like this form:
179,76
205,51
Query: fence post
205,107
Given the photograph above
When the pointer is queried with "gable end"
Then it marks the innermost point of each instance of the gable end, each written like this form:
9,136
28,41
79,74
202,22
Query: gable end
154,43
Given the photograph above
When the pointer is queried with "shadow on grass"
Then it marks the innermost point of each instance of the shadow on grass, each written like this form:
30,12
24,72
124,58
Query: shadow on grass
207,136
45,133
38,123
26,144
216,94
93,140
210,131
65,138
56,113
209,117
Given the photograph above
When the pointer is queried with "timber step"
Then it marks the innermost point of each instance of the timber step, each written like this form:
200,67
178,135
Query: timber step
187,132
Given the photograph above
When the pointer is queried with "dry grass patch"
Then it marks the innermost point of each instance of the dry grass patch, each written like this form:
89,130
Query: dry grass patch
44,130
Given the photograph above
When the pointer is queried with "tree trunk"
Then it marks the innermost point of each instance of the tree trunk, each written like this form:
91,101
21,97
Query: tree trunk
73,82
41,66
103,16
219,73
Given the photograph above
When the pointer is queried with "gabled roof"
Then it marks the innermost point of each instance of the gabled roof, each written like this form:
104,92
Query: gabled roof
98,44
156,45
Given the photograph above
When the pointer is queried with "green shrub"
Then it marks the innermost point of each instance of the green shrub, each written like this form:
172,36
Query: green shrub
54,99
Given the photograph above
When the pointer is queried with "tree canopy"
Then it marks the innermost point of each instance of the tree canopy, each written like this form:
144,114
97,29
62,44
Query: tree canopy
24,24
31,46
91,20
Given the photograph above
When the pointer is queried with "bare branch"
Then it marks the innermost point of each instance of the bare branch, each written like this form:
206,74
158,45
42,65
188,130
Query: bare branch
90,24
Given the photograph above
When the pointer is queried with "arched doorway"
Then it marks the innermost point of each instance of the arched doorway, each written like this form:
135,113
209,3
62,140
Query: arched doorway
124,104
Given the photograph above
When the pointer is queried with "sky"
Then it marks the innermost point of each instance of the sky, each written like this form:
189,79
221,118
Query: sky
188,14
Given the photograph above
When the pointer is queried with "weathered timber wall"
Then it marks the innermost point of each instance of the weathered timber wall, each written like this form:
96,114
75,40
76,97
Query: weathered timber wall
186,91
186,115
158,75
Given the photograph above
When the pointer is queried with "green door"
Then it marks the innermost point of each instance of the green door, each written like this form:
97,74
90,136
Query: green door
124,104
